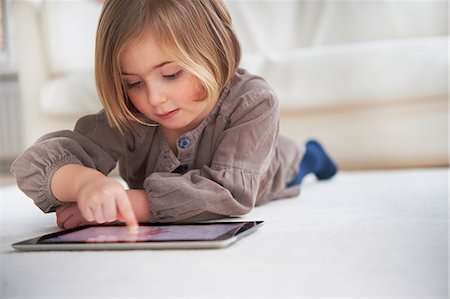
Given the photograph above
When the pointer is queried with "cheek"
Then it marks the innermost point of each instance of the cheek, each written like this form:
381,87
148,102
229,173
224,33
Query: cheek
200,92
195,89
193,95
137,99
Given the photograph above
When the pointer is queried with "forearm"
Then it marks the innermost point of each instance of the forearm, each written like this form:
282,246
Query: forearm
67,181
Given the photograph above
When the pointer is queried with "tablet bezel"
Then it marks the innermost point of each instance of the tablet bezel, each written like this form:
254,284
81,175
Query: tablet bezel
220,242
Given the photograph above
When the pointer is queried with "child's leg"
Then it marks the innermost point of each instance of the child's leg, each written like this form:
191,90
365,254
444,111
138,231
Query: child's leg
315,161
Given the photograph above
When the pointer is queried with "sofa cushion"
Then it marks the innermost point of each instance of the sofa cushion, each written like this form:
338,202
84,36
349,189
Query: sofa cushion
72,94
68,31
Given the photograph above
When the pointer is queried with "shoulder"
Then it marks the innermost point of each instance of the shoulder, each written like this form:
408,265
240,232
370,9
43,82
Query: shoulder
249,85
250,95
96,125
97,128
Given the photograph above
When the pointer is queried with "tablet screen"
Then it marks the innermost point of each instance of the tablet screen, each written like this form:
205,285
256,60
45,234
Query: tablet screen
145,233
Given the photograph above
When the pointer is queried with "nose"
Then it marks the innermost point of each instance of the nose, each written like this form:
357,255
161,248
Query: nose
155,95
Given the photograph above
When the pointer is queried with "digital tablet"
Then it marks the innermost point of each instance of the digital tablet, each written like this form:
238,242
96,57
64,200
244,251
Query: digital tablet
148,236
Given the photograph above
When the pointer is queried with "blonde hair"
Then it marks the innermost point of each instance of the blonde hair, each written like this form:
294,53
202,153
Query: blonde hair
198,34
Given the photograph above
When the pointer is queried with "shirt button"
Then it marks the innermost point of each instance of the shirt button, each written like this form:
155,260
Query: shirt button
184,142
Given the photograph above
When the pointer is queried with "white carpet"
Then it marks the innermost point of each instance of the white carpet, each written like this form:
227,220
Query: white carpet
364,234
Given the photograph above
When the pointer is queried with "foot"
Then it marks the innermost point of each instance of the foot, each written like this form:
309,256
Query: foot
325,167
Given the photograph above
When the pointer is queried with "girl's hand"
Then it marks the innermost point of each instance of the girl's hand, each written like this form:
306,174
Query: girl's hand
69,216
100,198
103,199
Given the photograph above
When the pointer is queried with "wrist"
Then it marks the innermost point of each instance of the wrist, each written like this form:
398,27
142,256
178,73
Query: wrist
68,180
140,203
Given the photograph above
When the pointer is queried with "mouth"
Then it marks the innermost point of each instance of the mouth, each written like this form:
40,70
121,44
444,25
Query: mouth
169,114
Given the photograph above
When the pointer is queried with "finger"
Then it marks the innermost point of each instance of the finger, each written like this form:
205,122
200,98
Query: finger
60,221
87,213
126,210
72,222
65,220
110,211
98,214
62,215
63,210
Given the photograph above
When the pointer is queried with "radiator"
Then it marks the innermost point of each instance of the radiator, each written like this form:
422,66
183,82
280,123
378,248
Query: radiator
10,121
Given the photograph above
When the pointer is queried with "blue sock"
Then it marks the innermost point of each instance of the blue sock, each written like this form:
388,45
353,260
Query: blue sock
315,160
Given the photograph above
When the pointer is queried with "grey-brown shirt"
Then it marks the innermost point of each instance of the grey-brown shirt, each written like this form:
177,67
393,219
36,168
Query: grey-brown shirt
235,159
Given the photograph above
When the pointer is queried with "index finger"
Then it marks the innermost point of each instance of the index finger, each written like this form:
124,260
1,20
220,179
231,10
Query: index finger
126,210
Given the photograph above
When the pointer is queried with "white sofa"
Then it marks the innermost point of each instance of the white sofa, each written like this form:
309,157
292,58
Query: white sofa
369,79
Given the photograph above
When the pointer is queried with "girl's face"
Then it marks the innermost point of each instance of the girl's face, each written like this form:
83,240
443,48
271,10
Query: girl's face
160,89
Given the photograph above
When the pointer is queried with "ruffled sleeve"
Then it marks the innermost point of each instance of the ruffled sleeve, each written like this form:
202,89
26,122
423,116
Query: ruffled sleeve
93,144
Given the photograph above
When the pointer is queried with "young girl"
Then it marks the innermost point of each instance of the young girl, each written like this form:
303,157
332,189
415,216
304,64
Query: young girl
196,137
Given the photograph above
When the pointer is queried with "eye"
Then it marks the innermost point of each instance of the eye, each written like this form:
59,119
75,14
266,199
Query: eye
173,76
135,84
